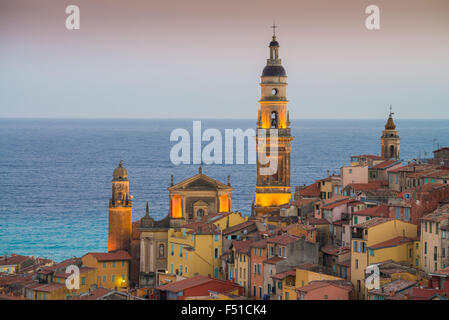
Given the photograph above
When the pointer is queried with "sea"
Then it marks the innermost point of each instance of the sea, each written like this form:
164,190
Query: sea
55,174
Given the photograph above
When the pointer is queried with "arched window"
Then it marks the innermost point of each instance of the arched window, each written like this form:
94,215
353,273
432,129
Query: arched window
274,119
392,153
200,213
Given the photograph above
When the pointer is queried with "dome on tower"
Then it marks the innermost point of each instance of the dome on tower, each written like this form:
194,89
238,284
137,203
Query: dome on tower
274,71
120,173
390,123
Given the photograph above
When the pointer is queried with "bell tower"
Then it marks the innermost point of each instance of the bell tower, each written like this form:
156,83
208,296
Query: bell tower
273,138
120,211
390,141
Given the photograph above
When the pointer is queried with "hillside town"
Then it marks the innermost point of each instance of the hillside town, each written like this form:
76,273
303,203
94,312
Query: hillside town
379,230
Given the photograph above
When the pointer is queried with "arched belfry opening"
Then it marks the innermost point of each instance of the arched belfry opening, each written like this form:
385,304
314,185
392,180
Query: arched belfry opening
274,119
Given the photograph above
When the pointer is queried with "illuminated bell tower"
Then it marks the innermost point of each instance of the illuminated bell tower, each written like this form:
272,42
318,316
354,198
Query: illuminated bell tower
120,211
390,141
273,190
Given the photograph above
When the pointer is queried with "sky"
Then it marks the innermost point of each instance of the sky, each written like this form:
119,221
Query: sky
203,58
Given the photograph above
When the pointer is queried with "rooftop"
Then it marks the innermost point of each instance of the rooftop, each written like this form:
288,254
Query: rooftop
377,211
110,256
373,222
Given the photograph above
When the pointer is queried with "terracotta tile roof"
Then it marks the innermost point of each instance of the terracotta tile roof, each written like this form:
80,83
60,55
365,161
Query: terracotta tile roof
394,286
62,274
284,239
110,256
196,281
310,191
313,285
94,294
334,250
45,287
202,228
274,260
373,185
391,243
283,275
386,164
13,260
259,244
239,226
436,216
338,203
377,211
242,246
373,222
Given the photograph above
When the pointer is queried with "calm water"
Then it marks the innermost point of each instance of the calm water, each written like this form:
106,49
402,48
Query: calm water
56,174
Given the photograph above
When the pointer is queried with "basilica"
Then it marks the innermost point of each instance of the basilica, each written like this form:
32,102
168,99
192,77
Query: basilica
194,199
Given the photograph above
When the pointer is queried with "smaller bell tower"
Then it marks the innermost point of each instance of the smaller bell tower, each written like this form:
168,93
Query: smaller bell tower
390,141
120,211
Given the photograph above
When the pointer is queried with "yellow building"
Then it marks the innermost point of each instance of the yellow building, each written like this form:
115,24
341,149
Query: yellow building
46,291
301,276
377,240
112,268
88,277
195,249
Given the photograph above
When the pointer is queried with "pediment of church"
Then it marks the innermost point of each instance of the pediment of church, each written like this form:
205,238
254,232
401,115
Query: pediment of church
200,182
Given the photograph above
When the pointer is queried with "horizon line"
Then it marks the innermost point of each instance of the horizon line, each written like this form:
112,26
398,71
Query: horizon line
193,119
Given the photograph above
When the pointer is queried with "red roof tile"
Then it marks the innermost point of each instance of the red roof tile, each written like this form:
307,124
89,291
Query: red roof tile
110,256
310,191
284,239
377,211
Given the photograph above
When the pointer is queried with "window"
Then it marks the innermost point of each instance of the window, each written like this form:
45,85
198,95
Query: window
325,297
113,264
180,269
180,250
254,291
356,263
255,251
172,251
269,288
358,285
425,226
185,255
260,292
356,220
113,278
398,213
171,268
371,252
123,263
287,296
443,234
104,278
437,229
430,227
280,284
260,252
185,269
255,268
123,278
407,214
216,237
216,253
258,269
83,280
104,264
355,246
425,247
